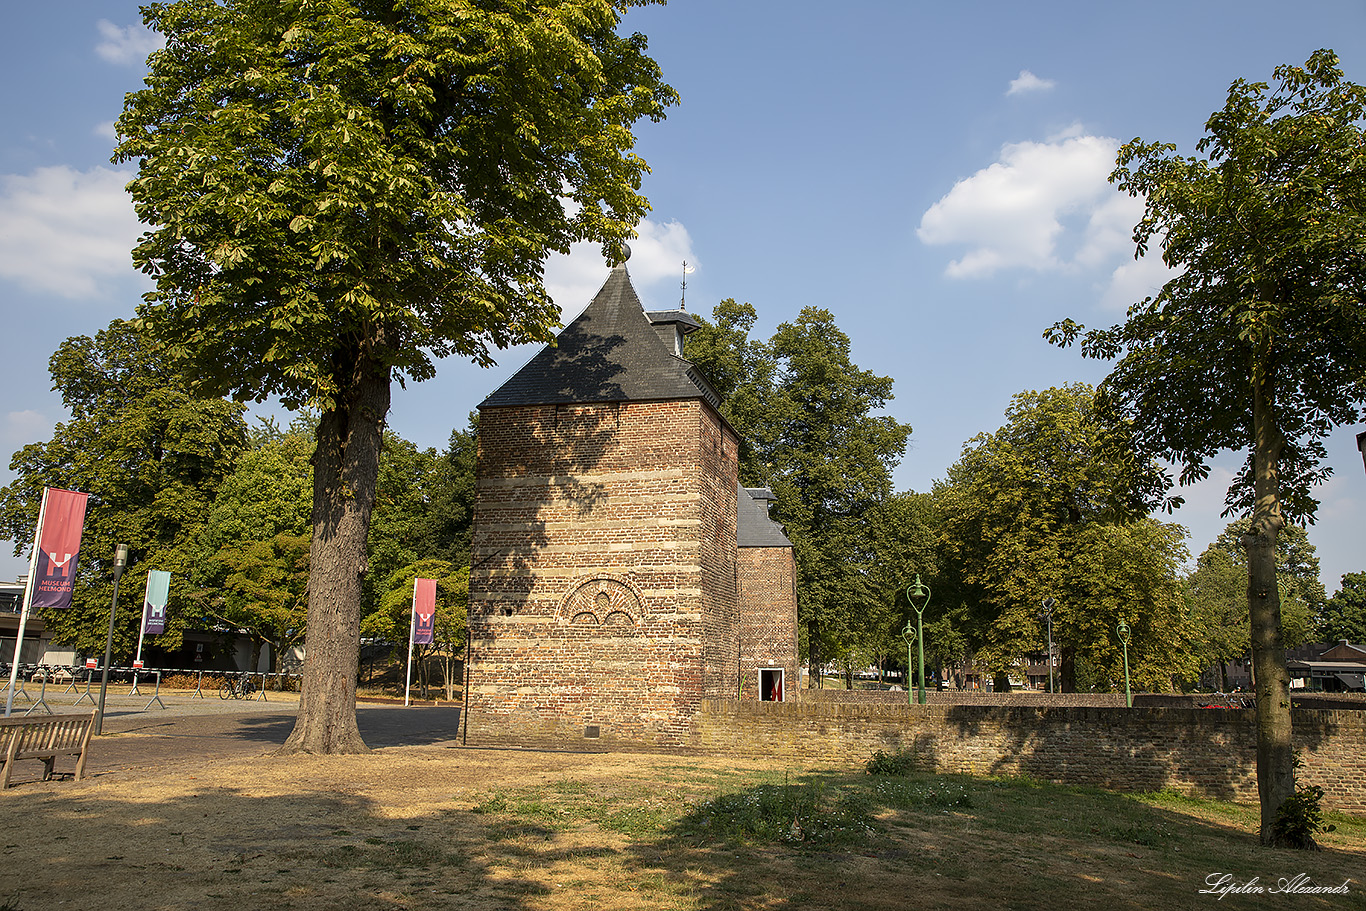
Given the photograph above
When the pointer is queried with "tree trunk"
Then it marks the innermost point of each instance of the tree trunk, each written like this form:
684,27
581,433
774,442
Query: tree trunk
345,470
1275,750
254,662
1067,669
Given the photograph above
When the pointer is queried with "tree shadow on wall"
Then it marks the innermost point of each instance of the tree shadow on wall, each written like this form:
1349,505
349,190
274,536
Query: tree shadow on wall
1210,751
572,422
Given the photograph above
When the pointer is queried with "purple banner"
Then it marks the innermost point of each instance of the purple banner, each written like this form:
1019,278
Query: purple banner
59,546
424,611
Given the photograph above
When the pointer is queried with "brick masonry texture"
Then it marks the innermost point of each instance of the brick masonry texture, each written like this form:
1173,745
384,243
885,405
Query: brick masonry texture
768,632
603,586
1204,752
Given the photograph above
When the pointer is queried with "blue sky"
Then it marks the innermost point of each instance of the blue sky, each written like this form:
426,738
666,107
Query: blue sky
934,174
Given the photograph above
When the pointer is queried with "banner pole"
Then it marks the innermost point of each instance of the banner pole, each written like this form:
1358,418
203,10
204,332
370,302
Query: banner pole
412,629
142,631
28,600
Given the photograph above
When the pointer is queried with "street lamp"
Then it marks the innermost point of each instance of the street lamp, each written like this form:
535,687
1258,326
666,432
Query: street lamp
120,563
913,592
1047,615
1123,630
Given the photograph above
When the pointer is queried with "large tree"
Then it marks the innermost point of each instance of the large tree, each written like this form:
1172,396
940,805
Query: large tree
151,456
1054,505
252,571
1344,616
340,192
1216,592
1259,345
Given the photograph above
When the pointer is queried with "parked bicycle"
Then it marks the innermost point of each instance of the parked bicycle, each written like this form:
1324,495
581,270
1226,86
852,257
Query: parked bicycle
240,687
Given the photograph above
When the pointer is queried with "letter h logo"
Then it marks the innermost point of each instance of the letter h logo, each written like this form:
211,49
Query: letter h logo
57,567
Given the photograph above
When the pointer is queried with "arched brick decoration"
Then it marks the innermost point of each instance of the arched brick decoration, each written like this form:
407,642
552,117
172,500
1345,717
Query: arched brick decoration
603,599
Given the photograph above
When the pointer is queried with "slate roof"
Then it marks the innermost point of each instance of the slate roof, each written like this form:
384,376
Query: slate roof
753,526
609,353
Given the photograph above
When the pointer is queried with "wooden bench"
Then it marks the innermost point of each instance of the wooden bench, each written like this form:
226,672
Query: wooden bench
45,738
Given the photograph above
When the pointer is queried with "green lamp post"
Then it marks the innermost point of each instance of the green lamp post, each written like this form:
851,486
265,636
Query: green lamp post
917,590
1123,630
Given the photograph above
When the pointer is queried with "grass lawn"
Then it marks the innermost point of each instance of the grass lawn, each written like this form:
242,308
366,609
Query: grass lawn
441,827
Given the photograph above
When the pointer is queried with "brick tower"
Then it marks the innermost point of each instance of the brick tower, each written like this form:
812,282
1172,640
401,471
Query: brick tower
604,570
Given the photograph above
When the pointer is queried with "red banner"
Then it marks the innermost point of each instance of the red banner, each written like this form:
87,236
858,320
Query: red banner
59,546
424,611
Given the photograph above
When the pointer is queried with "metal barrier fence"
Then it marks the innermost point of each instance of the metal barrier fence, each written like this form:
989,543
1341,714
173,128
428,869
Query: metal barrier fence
228,684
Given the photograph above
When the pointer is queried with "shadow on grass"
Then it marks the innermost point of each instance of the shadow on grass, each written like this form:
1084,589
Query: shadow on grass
220,847
941,841
648,836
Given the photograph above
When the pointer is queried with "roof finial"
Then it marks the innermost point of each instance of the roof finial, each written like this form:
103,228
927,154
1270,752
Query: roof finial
687,270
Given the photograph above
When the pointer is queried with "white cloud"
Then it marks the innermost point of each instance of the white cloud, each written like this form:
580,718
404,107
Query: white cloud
657,253
1048,207
1010,214
66,232
105,130
1028,82
126,46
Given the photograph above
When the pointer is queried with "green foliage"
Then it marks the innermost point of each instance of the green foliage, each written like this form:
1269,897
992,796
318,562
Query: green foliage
1297,572
391,621
424,508
269,492
326,176
1216,593
1267,231
264,592
1344,615
741,370
150,454
1301,817
252,570
900,762
806,813
1053,505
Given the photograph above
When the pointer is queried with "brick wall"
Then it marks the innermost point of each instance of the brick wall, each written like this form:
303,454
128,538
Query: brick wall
717,475
768,626
1208,752
1015,698
601,580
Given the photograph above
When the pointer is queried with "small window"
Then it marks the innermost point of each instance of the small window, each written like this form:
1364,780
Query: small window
771,684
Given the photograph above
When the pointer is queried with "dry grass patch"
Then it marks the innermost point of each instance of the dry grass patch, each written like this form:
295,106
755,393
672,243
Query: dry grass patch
434,827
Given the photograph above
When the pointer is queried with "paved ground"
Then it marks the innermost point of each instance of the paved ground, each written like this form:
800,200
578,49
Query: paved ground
191,728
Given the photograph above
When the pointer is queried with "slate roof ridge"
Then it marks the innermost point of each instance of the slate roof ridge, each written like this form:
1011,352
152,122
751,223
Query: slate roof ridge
608,353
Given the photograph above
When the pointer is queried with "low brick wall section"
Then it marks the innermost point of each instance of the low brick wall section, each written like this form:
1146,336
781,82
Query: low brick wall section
1205,752
962,697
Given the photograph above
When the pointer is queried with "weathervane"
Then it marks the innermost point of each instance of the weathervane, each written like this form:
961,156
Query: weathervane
687,270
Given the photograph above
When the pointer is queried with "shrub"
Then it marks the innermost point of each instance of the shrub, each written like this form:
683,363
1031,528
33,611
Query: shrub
902,762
